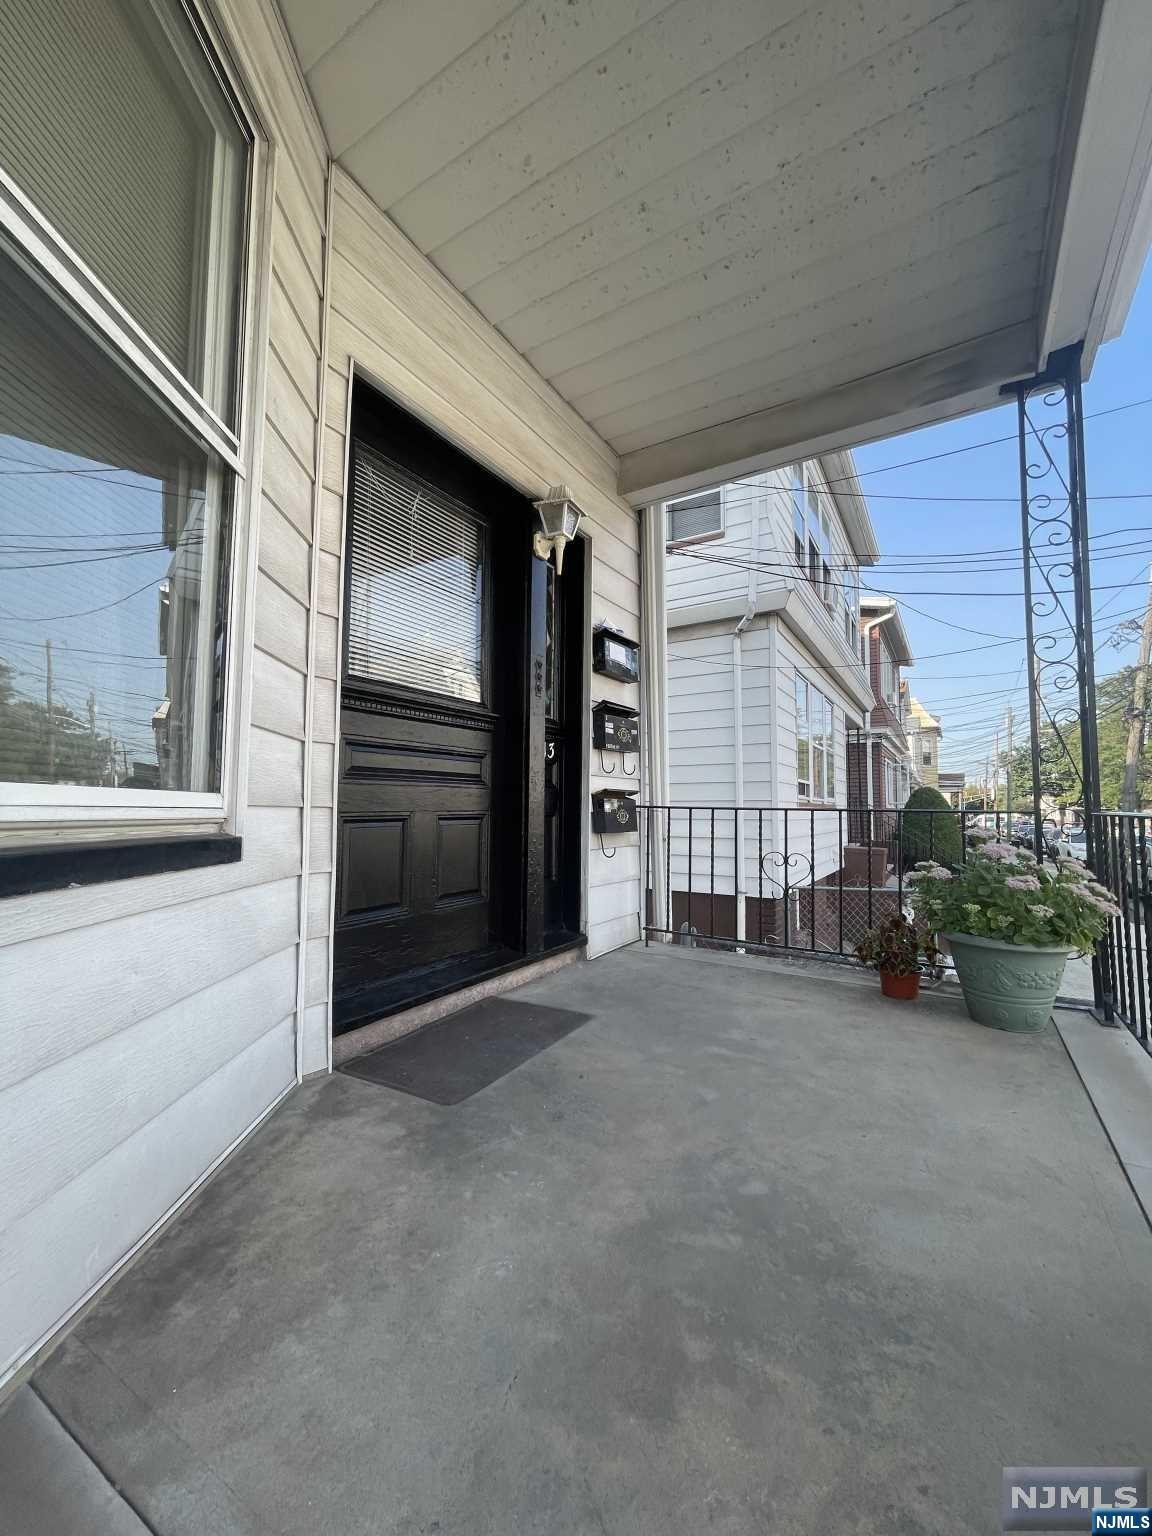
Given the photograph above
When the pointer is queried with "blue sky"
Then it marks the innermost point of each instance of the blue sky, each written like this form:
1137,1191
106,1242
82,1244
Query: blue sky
971,688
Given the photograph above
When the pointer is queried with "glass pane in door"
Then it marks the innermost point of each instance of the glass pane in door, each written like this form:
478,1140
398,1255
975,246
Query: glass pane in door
416,590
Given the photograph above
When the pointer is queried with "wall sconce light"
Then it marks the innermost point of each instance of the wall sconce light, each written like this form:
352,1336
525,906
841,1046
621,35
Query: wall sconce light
559,519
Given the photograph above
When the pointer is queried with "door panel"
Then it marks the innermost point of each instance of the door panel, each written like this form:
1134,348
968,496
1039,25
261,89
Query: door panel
374,861
418,738
413,875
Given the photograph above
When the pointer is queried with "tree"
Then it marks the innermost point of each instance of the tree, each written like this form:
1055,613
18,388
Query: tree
929,828
1059,768
79,756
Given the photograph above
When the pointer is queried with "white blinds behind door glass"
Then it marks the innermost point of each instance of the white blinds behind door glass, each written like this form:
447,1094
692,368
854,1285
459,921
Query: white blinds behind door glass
119,135
416,594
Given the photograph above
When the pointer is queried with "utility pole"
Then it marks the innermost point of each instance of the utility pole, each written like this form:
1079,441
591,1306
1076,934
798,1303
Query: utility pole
987,777
50,718
92,728
996,772
1008,770
1130,793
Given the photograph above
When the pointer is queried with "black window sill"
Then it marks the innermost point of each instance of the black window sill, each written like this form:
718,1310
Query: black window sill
27,871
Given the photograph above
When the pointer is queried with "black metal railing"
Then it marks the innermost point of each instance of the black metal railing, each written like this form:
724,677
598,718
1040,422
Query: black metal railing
813,879
1122,861
796,879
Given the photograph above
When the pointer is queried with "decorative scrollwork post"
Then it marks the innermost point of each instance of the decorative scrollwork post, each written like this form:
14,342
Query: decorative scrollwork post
1057,588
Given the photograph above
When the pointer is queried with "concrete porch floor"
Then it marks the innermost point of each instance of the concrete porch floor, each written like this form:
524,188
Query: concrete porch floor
752,1250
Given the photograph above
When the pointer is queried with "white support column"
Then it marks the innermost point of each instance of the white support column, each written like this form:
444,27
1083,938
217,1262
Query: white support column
654,706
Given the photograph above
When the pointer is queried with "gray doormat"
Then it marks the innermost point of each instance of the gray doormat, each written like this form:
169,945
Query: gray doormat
447,1062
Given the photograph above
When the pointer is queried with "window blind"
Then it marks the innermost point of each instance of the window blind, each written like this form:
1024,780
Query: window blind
115,128
416,595
695,516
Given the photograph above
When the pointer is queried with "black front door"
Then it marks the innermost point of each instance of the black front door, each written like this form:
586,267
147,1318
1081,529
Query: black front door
432,783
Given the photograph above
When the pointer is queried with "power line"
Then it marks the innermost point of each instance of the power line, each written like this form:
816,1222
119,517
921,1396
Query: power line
738,501
859,665
990,442
79,650
52,565
1057,560
781,570
1144,529
50,618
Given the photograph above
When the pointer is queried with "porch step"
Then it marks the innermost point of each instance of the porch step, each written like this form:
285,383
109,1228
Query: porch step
51,1486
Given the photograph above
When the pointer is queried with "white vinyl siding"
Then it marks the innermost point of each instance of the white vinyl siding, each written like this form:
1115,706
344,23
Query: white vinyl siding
151,1021
717,570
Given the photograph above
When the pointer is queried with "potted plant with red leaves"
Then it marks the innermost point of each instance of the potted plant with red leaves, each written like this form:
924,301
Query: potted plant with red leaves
900,951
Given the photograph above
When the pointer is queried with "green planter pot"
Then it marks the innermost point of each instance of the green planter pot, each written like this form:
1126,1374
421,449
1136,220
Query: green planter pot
1008,986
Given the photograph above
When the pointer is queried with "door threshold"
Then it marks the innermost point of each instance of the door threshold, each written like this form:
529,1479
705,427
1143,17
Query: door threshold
368,1035
426,983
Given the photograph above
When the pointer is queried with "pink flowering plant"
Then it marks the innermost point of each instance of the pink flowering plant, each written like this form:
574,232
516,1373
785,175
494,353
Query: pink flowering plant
1001,892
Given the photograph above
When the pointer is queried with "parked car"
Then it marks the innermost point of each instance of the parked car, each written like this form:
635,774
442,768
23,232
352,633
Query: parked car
1072,843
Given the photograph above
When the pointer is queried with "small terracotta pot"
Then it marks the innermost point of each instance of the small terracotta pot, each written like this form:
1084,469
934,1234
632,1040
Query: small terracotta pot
905,987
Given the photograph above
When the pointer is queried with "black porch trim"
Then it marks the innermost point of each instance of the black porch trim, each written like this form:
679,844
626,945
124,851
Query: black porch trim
28,871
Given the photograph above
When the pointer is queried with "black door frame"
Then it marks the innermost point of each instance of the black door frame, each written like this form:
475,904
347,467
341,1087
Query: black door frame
517,614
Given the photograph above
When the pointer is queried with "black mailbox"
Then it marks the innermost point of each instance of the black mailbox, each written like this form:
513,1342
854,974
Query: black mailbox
613,810
615,656
615,727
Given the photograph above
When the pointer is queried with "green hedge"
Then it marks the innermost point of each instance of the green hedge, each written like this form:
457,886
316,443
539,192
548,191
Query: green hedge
929,837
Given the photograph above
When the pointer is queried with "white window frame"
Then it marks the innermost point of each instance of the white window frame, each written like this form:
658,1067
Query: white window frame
803,733
889,672
76,812
891,784
821,744
850,590
816,535
695,538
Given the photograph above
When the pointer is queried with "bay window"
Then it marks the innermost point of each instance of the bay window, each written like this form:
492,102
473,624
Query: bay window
125,171
813,538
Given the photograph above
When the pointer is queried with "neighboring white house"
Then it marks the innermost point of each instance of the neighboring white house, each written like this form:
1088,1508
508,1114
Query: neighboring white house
766,684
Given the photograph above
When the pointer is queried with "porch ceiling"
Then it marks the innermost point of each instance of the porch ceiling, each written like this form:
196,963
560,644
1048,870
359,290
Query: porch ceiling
722,229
